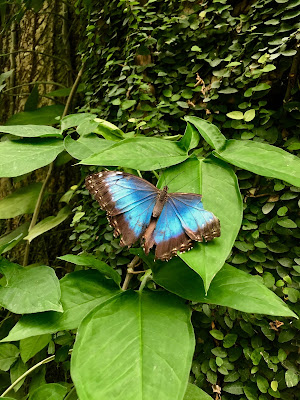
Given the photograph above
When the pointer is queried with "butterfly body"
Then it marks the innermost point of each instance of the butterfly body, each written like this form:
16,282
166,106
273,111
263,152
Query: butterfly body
138,210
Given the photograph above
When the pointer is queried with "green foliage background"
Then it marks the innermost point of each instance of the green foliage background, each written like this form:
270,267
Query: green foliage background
233,63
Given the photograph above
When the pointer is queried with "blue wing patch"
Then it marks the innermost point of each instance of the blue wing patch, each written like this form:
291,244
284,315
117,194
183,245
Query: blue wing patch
128,200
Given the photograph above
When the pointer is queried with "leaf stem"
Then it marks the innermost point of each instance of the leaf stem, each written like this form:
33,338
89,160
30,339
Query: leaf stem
146,277
45,361
134,263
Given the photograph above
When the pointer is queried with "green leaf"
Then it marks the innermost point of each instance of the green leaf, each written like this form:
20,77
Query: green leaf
29,290
217,334
234,388
190,138
17,370
85,146
230,287
143,153
42,116
19,157
209,132
93,262
49,391
48,223
261,86
262,159
262,384
108,130
287,223
127,104
8,355
249,115
229,340
81,291
31,130
21,201
218,185
142,355
291,378
193,392
86,127
72,120
7,242
235,115
29,347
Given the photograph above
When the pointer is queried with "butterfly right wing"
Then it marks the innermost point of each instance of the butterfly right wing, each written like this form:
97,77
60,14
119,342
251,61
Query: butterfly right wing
128,201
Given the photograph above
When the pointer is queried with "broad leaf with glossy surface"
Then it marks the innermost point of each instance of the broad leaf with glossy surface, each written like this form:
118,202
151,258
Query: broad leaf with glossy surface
209,132
49,391
193,392
139,153
218,185
262,159
143,343
19,157
81,291
230,287
91,261
48,223
19,295
31,130
85,146
21,201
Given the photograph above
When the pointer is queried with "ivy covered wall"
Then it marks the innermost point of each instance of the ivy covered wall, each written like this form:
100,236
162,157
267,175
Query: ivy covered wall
236,64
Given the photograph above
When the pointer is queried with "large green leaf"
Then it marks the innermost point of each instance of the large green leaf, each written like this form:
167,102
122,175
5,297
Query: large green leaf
21,156
42,116
262,159
29,347
85,146
230,287
210,132
190,138
31,130
48,223
92,261
7,242
49,391
76,119
29,290
21,201
108,130
193,392
81,291
139,153
137,346
8,355
218,185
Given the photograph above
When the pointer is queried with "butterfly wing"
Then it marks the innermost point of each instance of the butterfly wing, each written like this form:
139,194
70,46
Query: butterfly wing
128,201
183,220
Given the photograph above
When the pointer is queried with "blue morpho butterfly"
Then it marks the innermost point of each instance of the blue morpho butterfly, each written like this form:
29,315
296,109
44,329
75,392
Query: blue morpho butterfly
138,210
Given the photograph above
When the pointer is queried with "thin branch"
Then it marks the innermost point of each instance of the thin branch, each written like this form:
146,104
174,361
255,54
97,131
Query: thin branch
40,198
45,361
134,263
36,212
73,90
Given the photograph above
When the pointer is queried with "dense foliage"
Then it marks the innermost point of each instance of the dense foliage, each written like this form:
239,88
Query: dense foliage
147,65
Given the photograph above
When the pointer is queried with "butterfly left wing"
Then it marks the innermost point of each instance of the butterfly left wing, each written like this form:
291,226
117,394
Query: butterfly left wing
128,201
182,221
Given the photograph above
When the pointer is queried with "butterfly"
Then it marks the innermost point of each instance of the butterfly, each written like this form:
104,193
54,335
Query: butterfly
139,210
